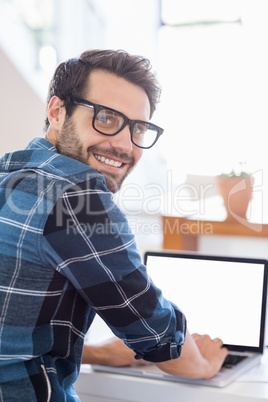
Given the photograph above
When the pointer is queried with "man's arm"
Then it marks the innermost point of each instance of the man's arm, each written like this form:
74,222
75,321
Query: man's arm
110,353
201,357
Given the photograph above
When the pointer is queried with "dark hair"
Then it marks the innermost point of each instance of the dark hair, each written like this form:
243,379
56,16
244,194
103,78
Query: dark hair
71,76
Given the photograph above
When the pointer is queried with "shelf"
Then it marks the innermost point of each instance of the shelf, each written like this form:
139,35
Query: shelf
180,233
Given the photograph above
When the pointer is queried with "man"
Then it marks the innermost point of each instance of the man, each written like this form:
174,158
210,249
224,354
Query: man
66,249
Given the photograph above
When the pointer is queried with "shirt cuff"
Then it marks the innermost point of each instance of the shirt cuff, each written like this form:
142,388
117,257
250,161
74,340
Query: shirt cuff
167,351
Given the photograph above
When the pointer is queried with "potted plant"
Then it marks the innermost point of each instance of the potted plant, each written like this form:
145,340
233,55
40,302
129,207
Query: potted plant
236,189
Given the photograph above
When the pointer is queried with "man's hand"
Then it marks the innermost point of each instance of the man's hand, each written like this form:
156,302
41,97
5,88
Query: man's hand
212,351
110,353
201,357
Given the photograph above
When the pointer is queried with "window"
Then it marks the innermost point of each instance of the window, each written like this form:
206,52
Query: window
213,69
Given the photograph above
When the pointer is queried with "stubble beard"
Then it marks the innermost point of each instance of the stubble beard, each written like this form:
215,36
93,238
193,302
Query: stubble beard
69,145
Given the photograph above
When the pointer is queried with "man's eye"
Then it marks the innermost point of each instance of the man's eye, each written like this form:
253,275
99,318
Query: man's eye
139,129
103,119
106,118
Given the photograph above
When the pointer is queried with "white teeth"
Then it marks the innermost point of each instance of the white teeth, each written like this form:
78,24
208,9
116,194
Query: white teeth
107,161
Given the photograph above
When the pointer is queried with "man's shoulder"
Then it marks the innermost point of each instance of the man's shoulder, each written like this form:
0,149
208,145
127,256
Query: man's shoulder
42,157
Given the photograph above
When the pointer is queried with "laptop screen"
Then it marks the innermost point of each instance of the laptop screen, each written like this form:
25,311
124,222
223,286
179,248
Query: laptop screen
220,296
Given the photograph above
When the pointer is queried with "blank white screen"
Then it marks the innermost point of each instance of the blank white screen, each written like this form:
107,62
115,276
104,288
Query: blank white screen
219,298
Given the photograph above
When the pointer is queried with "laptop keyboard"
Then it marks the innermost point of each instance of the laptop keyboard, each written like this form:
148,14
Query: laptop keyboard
232,360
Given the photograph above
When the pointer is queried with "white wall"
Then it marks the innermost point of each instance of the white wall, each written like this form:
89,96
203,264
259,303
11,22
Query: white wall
22,112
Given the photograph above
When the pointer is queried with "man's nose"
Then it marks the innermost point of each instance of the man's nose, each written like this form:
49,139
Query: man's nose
122,140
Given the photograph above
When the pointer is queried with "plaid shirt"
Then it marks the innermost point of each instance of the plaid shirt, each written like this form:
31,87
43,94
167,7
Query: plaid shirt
67,253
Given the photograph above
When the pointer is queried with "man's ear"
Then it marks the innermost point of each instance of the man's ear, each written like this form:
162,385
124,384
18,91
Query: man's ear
56,113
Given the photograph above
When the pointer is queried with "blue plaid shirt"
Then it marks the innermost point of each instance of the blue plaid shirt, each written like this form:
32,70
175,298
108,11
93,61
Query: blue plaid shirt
67,253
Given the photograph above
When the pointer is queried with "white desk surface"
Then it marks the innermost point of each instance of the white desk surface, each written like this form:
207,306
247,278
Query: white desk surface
103,387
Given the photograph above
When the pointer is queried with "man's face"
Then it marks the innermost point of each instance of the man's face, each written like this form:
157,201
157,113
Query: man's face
114,156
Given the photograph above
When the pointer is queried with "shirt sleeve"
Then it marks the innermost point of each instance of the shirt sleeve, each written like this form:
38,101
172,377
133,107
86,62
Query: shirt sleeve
88,240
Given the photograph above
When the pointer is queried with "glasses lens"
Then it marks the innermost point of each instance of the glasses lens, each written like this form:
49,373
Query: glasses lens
108,121
144,135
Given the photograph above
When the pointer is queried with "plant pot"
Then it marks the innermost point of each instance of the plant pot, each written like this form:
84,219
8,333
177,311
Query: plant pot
236,192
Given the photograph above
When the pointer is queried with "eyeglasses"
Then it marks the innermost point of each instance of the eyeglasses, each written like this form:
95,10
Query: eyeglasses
108,121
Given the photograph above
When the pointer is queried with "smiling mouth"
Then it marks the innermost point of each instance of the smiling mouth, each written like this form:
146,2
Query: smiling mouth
107,161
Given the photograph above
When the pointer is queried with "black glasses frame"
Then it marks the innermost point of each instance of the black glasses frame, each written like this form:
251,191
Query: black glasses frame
76,100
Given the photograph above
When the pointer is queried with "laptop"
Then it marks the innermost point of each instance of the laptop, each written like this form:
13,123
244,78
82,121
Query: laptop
224,297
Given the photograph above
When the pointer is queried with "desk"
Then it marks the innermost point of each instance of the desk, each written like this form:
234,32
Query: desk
103,387
182,234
